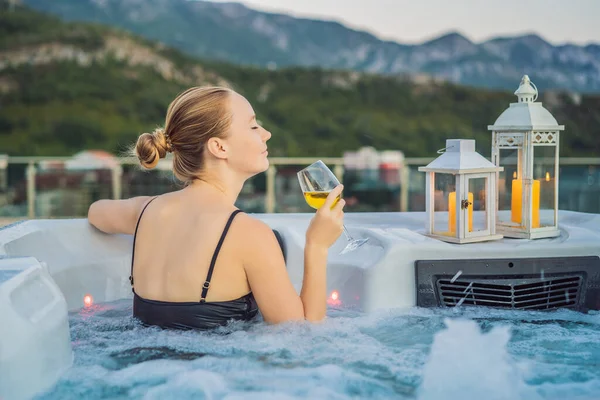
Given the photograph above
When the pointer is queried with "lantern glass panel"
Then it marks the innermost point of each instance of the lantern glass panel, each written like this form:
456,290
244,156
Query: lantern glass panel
544,179
476,214
509,186
444,197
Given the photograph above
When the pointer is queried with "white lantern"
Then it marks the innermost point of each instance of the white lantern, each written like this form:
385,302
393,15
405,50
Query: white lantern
525,141
460,194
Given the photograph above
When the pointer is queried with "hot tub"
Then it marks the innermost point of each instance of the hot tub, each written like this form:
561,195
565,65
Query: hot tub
52,267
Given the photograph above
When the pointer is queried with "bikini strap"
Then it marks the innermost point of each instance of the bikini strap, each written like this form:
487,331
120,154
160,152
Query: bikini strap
134,236
215,255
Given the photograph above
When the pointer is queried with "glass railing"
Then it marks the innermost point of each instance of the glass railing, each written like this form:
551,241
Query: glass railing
32,187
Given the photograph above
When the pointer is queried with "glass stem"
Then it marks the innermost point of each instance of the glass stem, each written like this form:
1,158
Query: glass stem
348,237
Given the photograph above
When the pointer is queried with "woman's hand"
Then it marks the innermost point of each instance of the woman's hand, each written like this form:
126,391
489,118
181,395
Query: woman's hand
327,224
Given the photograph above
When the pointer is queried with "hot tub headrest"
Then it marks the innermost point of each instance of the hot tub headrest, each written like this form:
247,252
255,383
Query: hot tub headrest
281,243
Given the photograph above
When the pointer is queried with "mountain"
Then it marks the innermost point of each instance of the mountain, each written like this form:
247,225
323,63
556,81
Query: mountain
71,86
234,33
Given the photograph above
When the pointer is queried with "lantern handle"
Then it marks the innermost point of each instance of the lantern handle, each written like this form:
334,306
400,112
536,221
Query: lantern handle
443,150
536,90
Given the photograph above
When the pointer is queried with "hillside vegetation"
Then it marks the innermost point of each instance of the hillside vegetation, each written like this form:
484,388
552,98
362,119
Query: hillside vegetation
65,87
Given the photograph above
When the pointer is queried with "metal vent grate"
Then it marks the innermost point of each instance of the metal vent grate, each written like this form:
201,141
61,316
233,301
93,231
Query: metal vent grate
535,294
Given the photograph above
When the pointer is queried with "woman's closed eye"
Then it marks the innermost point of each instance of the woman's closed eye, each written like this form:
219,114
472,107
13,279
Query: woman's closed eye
258,125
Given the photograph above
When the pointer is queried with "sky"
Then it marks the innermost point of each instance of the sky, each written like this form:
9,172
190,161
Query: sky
416,21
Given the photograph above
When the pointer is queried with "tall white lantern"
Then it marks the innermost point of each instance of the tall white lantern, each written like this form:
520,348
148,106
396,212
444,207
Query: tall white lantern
525,141
460,194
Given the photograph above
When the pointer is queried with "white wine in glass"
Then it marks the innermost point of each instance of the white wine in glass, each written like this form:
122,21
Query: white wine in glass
317,181
317,199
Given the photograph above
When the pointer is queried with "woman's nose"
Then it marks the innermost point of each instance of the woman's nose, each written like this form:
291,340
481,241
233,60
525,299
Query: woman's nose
267,135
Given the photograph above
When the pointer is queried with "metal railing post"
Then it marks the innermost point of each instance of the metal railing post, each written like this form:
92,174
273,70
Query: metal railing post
338,171
3,172
117,173
404,186
270,196
31,172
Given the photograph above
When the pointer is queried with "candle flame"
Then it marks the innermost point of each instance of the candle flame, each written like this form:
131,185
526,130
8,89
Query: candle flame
547,176
88,300
515,175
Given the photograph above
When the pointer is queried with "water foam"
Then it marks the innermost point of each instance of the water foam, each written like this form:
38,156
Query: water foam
402,354
465,363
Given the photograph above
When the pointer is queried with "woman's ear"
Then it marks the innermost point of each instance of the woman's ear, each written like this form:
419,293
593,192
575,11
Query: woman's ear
217,147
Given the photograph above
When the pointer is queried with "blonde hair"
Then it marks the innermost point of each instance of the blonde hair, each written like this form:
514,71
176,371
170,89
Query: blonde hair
195,116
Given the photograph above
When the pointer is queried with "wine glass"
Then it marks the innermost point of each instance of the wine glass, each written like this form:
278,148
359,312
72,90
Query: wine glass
316,182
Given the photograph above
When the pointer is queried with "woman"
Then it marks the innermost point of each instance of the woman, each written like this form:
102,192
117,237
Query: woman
197,261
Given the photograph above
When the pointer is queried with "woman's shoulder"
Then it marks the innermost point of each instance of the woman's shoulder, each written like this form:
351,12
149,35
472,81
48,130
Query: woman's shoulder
248,222
254,231
258,244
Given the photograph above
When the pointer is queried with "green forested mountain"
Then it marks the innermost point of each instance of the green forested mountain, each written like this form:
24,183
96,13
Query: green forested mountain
65,87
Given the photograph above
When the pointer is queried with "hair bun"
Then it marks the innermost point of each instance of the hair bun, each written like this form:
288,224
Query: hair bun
151,147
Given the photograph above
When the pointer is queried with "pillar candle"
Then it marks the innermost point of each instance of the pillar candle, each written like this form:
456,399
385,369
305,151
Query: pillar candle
516,204
452,212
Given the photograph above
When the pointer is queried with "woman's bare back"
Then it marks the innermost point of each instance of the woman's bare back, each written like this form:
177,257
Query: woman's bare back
175,242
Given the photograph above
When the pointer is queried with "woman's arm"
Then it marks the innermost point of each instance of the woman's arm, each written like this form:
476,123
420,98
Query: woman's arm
267,274
116,216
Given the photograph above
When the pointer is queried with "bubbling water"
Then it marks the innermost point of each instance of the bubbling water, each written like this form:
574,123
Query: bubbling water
465,363
462,353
